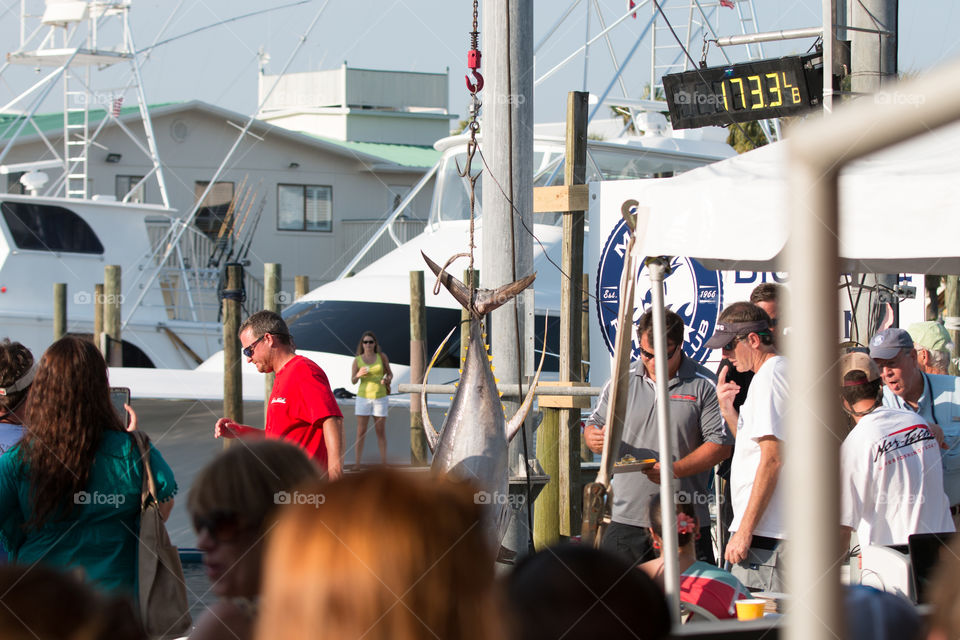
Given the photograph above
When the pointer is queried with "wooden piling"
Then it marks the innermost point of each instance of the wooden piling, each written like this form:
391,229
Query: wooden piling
112,297
951,309
271,302
418,358
571,301
301,285
98,317
232,379
585,454
546,523
59,310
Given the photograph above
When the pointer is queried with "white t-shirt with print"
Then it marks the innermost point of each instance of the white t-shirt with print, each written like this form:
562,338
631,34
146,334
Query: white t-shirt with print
892,479
762,414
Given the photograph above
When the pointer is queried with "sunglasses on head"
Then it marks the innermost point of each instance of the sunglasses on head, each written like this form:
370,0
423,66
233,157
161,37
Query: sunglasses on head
222,526
671,351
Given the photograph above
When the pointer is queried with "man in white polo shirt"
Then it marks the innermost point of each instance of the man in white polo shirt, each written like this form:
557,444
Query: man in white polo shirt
891,478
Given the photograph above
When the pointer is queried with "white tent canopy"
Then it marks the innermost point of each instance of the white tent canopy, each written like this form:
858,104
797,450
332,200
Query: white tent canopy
900,209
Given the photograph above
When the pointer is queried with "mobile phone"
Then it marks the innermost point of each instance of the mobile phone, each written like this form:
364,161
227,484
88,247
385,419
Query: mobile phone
120,396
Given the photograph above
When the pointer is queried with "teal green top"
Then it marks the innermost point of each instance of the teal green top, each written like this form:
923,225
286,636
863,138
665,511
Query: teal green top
100,535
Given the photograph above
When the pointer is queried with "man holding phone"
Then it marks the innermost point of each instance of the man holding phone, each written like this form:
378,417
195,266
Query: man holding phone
302,408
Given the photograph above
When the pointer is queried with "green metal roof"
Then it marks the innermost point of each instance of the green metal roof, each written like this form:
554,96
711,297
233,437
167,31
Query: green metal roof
48,122
405,155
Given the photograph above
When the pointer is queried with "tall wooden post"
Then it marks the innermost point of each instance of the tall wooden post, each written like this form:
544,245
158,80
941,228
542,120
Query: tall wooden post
951,309
546,521
585,454
232,379
301,285
98,317
59,310
418,357
111,315
271,302
571,297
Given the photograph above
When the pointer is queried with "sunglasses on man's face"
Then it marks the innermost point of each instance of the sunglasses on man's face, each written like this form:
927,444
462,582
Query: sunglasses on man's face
248,350
222,526
730,346
671,351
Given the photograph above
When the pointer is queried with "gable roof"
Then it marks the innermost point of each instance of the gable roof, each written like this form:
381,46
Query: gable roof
377,155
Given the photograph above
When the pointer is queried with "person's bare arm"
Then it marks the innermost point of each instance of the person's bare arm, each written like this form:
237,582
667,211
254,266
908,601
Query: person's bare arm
227,428
354,372
387,371
333,439
845,532
165,508
704,457
768,473
593,437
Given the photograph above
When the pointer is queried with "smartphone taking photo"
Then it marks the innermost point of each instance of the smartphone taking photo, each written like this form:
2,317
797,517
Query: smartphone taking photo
120,396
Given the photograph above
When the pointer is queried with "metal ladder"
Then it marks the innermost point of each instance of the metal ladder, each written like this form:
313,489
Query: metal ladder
76,130
666,54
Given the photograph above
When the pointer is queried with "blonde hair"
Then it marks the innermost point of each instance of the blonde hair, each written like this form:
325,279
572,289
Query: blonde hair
382,555
246,478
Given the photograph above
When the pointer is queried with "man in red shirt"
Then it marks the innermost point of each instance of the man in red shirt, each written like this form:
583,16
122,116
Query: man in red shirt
302,408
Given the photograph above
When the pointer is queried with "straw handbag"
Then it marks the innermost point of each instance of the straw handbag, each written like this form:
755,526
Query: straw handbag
164,611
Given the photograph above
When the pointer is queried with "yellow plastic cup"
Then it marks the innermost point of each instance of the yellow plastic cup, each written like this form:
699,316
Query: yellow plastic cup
750,609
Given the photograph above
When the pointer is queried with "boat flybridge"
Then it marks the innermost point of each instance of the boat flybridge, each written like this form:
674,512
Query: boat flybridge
52,230
328,321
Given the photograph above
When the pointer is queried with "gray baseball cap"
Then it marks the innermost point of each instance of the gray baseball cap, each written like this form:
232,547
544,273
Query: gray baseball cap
887,344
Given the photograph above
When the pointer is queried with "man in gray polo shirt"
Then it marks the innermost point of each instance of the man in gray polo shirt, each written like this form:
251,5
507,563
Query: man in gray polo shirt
701,440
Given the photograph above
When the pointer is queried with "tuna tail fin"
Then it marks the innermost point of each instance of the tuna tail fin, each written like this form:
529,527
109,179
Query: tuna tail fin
513,426
484,300
432,436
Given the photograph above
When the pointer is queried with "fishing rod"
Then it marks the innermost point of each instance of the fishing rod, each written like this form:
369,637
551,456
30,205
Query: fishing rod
245,248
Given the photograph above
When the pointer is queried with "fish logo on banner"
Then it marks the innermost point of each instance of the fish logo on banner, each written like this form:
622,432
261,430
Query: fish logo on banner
694,292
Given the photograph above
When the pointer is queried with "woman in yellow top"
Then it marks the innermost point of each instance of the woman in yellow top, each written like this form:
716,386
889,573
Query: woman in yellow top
372,368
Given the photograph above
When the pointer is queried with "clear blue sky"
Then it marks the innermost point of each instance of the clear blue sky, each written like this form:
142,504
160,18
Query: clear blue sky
220,65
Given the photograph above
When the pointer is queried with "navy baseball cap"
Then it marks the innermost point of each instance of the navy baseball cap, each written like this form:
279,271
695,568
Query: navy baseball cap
887,344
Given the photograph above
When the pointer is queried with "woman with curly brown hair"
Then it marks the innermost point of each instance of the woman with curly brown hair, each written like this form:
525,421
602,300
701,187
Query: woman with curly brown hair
70,490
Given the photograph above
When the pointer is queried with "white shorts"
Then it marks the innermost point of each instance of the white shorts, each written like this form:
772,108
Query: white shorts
366,407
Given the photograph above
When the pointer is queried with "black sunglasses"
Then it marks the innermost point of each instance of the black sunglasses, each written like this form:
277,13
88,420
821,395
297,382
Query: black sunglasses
646,355
730,346
248,350
222,526
369,342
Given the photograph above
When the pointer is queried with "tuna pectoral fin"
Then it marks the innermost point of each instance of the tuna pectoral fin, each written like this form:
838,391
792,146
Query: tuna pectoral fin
432,436
513,426
485,300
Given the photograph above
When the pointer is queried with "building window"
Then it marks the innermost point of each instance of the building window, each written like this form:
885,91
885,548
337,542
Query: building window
215,206
123,186
304,207
43,227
